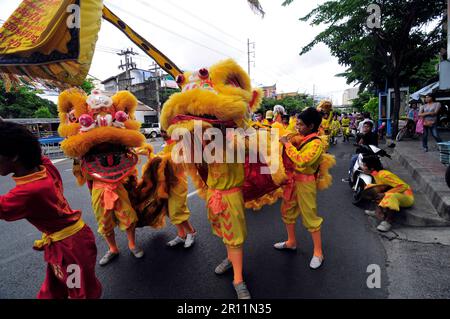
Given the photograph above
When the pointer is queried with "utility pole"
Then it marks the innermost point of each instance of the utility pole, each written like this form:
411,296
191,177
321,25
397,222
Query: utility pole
127,66
250,52
314,94
156,69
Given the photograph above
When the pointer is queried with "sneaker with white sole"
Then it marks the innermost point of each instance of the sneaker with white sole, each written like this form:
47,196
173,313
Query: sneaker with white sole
316,262
109,256
242,291
384,226
176,241
137,252
223,266
190,239
283,246
370,213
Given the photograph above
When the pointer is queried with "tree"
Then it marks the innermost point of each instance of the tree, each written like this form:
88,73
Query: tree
88,86
361,100
388,56
23,102
292,104
43,113
372,107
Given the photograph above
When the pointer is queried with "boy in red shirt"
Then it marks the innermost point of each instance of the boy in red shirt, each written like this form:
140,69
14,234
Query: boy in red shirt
68,244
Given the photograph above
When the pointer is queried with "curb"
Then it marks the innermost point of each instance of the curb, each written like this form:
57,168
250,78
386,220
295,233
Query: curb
432,186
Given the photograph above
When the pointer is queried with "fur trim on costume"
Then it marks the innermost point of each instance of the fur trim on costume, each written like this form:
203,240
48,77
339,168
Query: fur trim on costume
324,178
78,145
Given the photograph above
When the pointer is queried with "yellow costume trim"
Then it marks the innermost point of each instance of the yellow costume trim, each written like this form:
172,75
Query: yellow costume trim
267,199
47,239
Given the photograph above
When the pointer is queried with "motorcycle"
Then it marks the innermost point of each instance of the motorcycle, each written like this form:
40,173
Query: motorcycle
408,130
358,179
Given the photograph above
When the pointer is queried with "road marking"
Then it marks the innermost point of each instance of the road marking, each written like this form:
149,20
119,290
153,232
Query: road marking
192,194
59,160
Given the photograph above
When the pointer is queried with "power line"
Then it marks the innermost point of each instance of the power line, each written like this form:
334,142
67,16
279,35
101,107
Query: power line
204,21
169,31
190,26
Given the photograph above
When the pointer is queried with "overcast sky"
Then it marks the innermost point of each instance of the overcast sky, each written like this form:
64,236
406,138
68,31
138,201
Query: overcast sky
198,33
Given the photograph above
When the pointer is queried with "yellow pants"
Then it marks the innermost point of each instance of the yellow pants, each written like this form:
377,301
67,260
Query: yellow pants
227,216
394,201
304,204
178,210
112,207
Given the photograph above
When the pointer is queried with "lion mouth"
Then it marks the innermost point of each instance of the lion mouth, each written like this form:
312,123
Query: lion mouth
213,120
109,162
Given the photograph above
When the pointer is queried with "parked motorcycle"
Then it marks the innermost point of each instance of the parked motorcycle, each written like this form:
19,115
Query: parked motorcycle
358,180
407,129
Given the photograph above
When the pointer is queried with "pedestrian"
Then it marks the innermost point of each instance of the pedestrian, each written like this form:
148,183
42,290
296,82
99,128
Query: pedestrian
400,194
335,128
366,118
268,121
299,199
68,243
429,112
345,122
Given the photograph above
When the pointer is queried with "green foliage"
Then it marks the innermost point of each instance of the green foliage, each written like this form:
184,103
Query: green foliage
292,104
372,107
23,102
88,85
43,113
394,54
361,100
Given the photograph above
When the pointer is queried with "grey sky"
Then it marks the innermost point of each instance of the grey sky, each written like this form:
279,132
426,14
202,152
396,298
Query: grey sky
174,27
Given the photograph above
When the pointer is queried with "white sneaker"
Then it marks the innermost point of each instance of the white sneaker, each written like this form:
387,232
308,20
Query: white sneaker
177,240
370,213
316,262
283,246
384,226
190,239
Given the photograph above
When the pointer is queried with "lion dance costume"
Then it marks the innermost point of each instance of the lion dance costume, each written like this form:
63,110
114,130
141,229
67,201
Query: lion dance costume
101,134
221,97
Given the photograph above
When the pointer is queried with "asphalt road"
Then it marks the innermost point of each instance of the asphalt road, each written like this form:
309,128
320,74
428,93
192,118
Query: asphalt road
349,242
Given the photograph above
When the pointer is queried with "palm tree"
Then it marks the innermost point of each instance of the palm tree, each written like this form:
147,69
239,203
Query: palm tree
256,7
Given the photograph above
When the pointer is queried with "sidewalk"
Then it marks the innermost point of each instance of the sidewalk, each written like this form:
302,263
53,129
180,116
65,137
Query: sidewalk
432,194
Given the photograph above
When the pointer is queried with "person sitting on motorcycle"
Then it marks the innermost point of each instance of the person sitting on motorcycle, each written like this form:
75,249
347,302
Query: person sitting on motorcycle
390,202
366,138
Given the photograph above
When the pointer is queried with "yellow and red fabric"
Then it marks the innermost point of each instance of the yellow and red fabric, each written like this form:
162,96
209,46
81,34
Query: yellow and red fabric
400,195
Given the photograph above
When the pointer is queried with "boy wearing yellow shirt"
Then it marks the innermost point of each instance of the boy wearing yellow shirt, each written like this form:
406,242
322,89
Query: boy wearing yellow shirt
400,195
299,199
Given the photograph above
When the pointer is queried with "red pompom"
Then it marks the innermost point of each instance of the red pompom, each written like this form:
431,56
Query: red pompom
86,120
121,116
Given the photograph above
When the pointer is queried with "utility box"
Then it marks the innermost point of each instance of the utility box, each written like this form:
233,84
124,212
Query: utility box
444,75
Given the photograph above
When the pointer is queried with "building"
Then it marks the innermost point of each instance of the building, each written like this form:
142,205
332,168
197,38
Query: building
281,96
349,95
269,91
145,86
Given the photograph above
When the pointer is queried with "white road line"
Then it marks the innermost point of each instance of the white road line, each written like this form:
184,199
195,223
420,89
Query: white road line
192,194
59,160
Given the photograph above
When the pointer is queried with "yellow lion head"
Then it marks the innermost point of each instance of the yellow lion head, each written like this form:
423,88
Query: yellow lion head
221,95
88,121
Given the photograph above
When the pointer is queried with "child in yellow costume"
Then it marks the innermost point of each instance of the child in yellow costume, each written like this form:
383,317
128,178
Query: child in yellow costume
345,123
400,195
325,108
335,128
302,164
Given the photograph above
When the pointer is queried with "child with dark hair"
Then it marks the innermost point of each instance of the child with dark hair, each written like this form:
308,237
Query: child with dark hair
399,195
299,199
68,243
